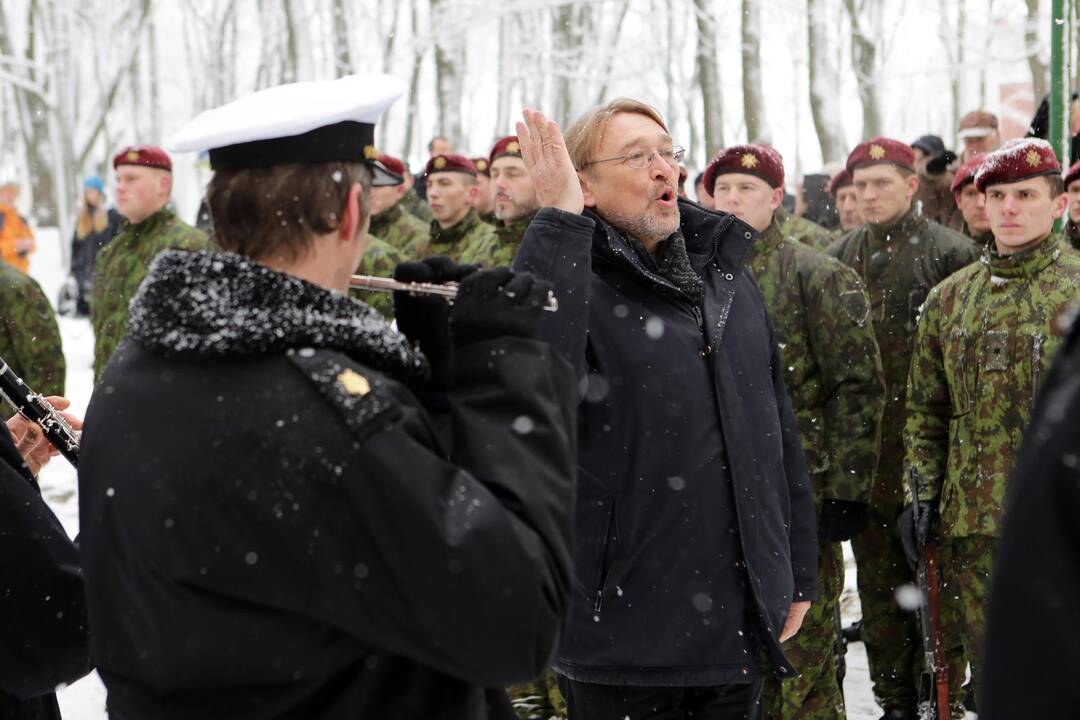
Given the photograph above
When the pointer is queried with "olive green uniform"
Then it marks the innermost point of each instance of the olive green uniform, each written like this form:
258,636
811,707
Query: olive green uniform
500,248
454,240
985,341
396,227
834,377
120,269
899,264
379,259
29,336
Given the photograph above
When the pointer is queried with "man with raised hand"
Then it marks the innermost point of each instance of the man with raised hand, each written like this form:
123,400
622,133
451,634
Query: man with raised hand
832,370
986,339
900,256
695,536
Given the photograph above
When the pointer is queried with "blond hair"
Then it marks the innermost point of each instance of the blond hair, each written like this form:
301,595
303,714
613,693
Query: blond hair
587,132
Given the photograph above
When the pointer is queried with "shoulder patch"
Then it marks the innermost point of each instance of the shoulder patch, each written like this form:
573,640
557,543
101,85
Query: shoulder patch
854,306
358,395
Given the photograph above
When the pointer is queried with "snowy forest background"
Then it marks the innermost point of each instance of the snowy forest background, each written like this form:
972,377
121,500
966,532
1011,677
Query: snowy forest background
78,79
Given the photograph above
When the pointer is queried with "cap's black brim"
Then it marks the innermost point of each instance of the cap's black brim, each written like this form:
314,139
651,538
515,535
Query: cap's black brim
383,177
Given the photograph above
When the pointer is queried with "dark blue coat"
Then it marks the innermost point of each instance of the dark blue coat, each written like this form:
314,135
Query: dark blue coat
694,526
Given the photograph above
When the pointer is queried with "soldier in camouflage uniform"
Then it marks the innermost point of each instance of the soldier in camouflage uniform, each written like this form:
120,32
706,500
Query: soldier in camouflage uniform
451,185
144,183
379,259
515,206
985,340
29,335
842,191
808,233
1071,230
971,203
389,219
484,202
834,377
900,256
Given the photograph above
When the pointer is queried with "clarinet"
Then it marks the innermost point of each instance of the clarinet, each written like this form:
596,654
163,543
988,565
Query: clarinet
35,408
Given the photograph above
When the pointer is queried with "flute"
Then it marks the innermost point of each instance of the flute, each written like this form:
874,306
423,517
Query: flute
446,290
35,408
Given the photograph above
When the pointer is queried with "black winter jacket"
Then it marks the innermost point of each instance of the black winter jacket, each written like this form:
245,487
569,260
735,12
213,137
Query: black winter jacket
271,527
694,525
42,607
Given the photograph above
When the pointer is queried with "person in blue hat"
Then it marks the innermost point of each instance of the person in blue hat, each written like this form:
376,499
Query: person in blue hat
95,226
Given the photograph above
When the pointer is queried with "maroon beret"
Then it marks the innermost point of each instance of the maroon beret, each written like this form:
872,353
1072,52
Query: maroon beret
1073,174
393,164
145,155
505,146
881,151
482,166
450,163
841,179
966,172
759,160
1017,160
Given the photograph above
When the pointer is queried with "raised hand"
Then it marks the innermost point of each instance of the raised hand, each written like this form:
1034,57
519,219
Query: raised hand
548,162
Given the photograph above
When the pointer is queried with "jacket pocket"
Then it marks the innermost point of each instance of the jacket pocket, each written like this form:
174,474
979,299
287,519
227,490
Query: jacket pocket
958,363
608,551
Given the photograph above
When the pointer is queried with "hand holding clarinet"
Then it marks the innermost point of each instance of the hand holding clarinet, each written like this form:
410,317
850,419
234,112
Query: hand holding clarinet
40,430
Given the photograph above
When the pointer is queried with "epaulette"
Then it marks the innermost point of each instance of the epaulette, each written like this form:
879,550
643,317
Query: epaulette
359,396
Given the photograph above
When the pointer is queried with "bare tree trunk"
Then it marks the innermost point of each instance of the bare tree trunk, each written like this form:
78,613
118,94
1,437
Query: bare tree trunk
1039,71
864,59
449,61
155,94
709,79
608,48
757,124
502,101
291,59
339,21
824,105
414,81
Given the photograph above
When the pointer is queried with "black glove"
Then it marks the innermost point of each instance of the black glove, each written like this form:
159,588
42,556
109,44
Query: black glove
842,519
425,319
911,535
498,302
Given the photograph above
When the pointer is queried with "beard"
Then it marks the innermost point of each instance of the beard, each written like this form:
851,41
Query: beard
649,228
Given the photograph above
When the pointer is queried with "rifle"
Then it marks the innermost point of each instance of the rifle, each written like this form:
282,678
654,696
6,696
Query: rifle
35,408
934,685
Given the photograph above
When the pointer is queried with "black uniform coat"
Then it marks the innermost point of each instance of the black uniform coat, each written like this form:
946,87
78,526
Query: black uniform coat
1032,653
695,528
272,529
45,640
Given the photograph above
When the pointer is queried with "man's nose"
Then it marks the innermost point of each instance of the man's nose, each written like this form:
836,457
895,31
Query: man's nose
659,168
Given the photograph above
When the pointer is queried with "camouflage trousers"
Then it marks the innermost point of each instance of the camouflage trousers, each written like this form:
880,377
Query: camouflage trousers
891,633
815,693
539,699
965,568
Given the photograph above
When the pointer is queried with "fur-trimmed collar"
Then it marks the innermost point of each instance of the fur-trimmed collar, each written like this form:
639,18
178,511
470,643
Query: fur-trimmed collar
213,304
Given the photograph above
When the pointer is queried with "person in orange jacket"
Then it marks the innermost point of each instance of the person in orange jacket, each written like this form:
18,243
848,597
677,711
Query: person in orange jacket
16,239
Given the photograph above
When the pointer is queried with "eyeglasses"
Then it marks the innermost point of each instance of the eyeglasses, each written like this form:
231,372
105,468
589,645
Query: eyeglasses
640,159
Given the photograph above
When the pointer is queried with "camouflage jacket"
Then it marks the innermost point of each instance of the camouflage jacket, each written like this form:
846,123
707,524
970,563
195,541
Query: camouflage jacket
398,228
832,366
379,259
120,270
453,241
898,265
985,340
29,335
982,239
416,207
808,232
501,248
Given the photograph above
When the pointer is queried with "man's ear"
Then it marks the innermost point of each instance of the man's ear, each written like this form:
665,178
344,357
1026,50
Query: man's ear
473,193
1061,204
353,213
590,199
912,185
777,198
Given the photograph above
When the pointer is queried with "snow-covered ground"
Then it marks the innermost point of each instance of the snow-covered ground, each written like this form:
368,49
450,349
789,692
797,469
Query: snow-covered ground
85,699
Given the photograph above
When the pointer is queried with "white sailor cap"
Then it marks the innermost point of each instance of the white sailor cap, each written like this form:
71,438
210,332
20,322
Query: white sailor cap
308,122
